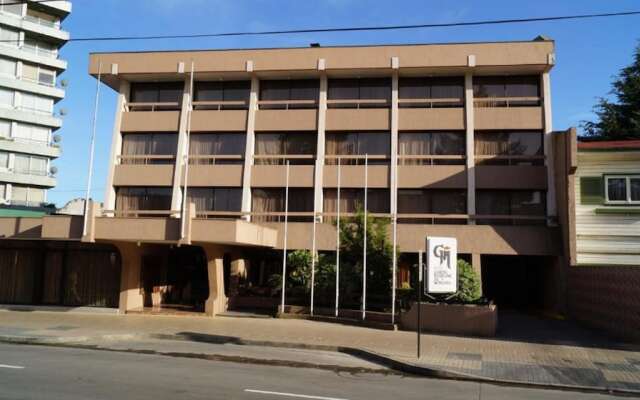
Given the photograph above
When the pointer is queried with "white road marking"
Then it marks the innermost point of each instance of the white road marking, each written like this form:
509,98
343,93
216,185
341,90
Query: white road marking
300,396
11,366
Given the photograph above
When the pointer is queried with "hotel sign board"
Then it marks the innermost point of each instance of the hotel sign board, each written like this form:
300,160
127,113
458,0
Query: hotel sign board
442,265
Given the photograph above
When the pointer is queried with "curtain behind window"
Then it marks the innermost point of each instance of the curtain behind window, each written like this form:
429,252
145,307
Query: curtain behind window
141,144
357,143
351,199
141,198
211,144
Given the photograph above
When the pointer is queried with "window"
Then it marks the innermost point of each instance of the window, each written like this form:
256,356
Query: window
351,200
284,144
509,148
41,18
24,195
34,73
32,133
143,198
226,91
30,165
5,129
622,189
10,7
526,88
3,191
6,98
9,37
528,203
8,67
161,147
375,144
216,199
413,147
217,148
346,93
280,92
265,201
440,91
432,201
40,48
38,104
4,160
164,92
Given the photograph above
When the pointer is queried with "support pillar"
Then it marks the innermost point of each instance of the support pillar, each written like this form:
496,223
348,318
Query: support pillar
238,272
217,301
131,296
476,262
470,151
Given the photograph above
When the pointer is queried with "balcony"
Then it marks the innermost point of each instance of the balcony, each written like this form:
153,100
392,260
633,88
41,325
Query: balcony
357,117
269,175
150,121
412,119
508,113
352,176
429,175
511,176
210,116
288,119
207,171
144,173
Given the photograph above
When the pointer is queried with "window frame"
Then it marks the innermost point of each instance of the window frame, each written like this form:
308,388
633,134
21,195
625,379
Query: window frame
627,177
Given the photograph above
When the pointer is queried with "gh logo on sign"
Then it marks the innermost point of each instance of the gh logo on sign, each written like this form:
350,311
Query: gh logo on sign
443,253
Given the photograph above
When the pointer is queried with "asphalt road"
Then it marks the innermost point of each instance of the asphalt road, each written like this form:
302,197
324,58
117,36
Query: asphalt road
38,372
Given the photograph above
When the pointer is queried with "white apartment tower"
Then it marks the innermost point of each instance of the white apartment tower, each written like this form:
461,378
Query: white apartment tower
30,39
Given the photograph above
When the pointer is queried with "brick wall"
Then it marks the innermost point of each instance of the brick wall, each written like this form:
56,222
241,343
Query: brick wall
606,298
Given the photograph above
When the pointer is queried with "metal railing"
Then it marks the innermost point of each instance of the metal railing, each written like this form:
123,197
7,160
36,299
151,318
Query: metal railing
216,159
358,103
357,159
500,159
146,159
153,106
221,105
431,159
140,213
42,21
287,104
281,159
491,102
431,103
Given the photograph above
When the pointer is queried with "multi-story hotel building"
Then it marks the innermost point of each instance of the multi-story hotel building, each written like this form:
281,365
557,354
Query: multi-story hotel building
457,138
29,65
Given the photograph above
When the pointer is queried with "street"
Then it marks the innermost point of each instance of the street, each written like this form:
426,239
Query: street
41,372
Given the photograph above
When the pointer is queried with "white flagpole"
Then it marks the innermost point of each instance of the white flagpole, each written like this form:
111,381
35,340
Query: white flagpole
313,260
364,245
186,157
338,243
284,240
92,147
395,247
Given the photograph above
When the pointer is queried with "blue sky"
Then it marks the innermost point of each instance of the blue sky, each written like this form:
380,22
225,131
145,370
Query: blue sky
588,52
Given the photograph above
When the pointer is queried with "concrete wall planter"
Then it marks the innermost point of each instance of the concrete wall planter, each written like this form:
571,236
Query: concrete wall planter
456,319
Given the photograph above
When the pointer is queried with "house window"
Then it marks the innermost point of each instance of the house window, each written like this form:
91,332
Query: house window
431,148
288,94
622,189
432,201
377,145
234,93
24,195
143,198
359,93
509,148
38,104
352,199
5,129
4,160
431,92
10,7
6,98
8,67
30,165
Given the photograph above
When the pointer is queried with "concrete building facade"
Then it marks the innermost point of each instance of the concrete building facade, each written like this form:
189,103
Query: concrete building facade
457,139
31,38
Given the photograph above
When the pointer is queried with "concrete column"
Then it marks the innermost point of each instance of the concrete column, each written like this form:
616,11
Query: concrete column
116,145
394,139
217,301
545,84
250,144
182,148
469,124
477,267
319,168
131,296
238,272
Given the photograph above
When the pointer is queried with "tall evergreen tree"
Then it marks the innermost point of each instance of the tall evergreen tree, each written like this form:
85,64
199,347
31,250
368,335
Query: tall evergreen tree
620,119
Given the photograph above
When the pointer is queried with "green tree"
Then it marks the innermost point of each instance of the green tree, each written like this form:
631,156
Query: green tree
468,283
619,119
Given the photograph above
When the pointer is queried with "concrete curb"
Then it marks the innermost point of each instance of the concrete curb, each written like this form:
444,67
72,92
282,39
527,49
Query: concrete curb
389,362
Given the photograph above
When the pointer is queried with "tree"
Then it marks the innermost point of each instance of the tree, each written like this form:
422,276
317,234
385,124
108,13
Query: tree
468,283
619,120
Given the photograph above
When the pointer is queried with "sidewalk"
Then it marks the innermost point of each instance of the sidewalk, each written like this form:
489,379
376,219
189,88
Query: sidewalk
578,358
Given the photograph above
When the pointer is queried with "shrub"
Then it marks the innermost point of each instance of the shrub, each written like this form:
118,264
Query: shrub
468,283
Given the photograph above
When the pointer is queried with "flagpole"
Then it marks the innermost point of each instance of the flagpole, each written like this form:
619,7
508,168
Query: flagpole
395,247
286,232
338,243
313,260
186,157
364,245
92,147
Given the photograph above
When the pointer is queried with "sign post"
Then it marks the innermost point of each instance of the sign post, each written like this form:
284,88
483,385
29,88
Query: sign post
441,271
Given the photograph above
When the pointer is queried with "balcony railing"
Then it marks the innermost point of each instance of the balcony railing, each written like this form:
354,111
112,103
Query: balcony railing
431,103
357,159
221,105
39,51
294,159
147,159
509,159
431,159
35,110
490,102
157,106
39,82
140,213
287,104
358,103
42,21
220,159
28,171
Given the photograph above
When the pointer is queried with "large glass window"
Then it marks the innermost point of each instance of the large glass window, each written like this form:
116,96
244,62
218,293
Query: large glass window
217,148
236,93
9,37
143,198
42,18
622,189
506,91
31,165
375,144
359,93
216,199
40,48
8,67
432,201
414,148
6,98
35,103
509,148
157,92
149,148
530,203
431,92
351,200
278,145
11,7
34,73
32,133
24,195
272,200
289,94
